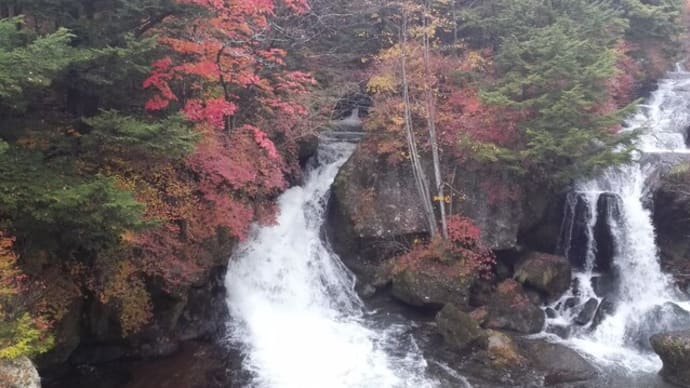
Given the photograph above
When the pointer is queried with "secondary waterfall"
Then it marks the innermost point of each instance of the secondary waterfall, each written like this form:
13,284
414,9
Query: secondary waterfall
292,302
608,233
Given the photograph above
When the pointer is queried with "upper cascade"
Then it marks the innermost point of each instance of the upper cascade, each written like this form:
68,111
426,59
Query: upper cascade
618,266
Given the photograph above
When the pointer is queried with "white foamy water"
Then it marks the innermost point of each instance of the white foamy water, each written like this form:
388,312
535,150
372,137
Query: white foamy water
641,284
294,309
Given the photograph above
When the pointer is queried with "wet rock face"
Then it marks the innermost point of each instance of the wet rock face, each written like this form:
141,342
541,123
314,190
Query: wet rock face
511,309
674,350
459,329
668,317
575,233
374,204
19,373
671,218
587,313
548,274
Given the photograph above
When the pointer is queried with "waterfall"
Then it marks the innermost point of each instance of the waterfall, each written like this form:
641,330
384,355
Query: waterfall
294,311
641,299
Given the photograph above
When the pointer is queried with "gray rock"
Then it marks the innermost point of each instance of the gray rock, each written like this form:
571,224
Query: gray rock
511,309
19,373
374,201
429,287
458,328
606,308
587,313
674,350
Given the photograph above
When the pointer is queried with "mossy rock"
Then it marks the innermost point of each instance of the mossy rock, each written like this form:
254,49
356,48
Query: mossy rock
548,274
433,286
511,309
674,350
458,328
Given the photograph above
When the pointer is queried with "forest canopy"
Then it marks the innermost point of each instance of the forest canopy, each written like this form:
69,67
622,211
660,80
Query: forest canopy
140,139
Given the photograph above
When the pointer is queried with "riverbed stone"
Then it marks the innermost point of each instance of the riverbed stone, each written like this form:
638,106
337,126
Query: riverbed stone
606,308
502,350
587,313
19,373
458,328
511,309
558,363
674,350
549,274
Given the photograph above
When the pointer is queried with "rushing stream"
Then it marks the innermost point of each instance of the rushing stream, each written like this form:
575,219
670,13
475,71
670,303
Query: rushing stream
608,233
294,309
300,324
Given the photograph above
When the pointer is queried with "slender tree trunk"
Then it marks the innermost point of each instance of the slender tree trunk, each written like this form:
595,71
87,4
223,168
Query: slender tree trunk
417,169
431,125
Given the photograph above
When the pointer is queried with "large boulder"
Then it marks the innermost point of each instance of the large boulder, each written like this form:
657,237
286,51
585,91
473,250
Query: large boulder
458,328
375,205
549,274
511,309
433,285
558,363
19,373
674,350
373,202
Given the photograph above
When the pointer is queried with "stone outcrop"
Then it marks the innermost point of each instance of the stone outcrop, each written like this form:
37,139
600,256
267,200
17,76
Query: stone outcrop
375,206
671,217
19,373
674,350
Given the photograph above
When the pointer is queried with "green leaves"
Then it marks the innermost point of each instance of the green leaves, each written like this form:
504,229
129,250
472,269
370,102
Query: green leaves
171,138
554,67
57,208
32,64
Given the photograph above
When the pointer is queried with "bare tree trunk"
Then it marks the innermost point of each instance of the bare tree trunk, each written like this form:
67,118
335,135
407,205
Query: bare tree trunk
431,124
417,169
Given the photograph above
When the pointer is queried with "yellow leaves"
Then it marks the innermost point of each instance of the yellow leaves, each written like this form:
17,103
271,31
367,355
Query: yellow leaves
440,198
474,60
397,120
133,301
384,83
128,237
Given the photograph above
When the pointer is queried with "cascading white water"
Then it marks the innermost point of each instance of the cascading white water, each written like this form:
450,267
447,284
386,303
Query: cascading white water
641,284
293,306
